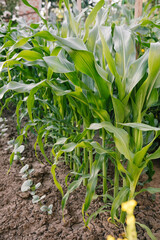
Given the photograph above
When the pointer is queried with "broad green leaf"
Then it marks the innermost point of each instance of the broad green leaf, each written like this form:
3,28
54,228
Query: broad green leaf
91,17
141,126
146,88
154,155
69,147
151,23
29,55
118,200
59,91
125,50
139,156
19,44
154,66
119,110
99,149
85,63
7,44
92,39
59,65
112,65
150,234
136,72
18,87
153,98
71,42
46,35
108,56
121,137
61,141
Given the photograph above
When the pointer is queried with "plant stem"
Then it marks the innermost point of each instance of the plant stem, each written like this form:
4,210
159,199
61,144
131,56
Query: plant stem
116,182
104,168
85,181
71,161
90,153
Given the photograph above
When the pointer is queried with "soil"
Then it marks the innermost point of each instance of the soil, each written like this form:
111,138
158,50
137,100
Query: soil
20,219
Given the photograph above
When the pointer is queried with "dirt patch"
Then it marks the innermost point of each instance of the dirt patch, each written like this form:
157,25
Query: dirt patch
20,219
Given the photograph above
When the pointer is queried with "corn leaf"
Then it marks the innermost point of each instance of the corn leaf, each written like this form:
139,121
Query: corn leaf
91,17
84,62
55,179
150,234
29,55
74,185
136,72
125,50
92,182
118,200
154,155
59,65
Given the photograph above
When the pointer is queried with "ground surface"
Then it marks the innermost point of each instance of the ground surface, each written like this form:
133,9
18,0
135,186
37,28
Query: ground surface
20,219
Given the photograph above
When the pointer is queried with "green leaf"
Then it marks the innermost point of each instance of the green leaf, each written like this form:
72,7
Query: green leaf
136,72
112,65
150,234
154,66
121,137
55,180
18,87
108,56
9,62
153,79
91,17
139,156
74,185
59,64
29,55
61,141
140,126
85,63
71,42
59,91
69,147
149,189
154,155
118,200
40,143
119,110
46,35
92,182
93,215
19,44
125,50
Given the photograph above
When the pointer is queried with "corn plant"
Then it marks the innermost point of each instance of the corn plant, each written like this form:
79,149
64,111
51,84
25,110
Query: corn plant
78,81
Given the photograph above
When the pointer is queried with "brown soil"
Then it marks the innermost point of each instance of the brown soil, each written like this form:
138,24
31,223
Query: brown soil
21,219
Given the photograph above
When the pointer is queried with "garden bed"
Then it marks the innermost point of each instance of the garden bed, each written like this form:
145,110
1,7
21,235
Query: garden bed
21,219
